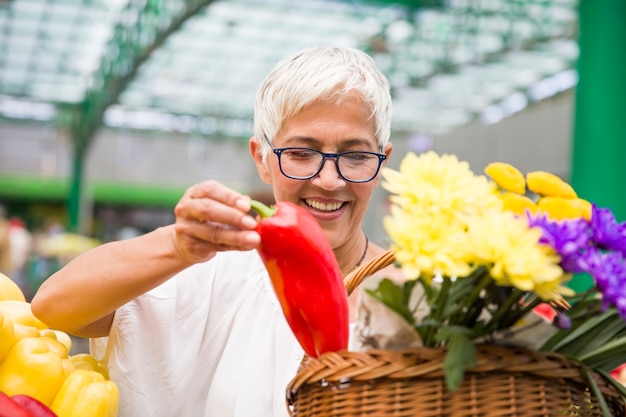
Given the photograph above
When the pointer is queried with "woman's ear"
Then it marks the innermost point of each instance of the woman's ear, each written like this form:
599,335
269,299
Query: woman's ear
387,151
261,165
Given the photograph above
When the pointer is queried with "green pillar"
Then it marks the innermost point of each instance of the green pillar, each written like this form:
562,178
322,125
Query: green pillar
132,43
599,143
75,198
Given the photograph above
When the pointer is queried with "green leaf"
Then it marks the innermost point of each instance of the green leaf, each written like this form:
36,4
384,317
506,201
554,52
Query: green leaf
596,391
461,355
607,357
619,387
579,313
592,339
407,290
612,331
395,297
576,339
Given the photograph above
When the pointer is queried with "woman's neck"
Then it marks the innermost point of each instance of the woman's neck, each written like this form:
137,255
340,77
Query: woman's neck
354,256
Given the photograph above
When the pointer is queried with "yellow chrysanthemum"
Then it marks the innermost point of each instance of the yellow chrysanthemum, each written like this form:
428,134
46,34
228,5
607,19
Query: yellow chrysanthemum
433,184
517,203
427,246
547,184
507,177
512,252
559,208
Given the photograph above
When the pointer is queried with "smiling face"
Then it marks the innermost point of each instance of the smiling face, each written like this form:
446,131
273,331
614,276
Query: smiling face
332,127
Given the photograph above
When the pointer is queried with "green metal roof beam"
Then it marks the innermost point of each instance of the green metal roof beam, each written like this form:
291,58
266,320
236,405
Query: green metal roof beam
142,29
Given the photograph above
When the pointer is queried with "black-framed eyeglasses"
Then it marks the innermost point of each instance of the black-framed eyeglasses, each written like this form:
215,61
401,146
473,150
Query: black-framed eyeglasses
306,163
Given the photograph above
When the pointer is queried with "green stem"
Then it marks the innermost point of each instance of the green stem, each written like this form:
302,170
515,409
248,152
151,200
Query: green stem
440,304
515,296
485,279
262,209
478,280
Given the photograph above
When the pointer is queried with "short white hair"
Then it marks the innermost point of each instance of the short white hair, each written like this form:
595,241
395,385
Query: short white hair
320,73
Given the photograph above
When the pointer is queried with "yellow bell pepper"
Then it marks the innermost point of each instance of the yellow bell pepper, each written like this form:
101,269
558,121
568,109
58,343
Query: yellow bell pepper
99,399
6,335
90,363
64,338
32,367
20,312
57,347
21,331
86,393
47,333
9,290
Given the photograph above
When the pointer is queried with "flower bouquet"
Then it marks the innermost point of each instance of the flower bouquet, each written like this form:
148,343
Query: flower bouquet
486,261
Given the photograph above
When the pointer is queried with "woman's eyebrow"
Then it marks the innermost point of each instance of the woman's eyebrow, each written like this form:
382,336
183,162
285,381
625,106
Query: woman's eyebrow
303,140
311,142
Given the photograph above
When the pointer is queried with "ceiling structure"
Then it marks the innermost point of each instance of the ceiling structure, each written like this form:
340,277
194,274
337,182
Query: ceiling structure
194,66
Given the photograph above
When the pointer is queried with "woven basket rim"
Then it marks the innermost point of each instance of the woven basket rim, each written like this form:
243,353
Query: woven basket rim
426,362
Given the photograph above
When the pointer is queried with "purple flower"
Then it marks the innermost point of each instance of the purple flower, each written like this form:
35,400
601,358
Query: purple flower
571,239
609,272
607,233
597,247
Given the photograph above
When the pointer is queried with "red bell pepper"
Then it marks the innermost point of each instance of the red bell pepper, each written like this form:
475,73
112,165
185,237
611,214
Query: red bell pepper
305,276
9,408
33,405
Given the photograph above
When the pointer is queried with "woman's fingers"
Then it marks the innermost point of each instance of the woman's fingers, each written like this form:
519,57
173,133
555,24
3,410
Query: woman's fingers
211,217
212,201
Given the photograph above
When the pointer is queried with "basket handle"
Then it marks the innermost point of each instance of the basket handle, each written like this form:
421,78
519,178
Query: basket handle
354,278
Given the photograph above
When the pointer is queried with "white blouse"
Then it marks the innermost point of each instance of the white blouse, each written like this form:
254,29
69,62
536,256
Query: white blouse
211,341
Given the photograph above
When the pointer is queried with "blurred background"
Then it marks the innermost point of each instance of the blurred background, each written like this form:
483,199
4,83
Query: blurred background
110,109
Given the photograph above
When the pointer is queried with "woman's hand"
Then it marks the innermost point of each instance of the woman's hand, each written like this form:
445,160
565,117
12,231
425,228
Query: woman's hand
211,217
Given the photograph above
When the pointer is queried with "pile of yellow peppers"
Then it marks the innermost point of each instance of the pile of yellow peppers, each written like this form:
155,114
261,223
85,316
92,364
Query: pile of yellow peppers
35,361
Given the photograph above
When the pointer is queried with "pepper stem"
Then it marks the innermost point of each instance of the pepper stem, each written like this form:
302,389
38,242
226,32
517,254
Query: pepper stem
262,209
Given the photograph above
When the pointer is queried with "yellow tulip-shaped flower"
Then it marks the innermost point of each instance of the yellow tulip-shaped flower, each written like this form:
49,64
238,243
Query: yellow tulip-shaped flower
584,207
548,184
518,204
507,177
559,208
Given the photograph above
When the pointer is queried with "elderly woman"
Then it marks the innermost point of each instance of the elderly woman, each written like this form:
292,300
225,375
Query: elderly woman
185,317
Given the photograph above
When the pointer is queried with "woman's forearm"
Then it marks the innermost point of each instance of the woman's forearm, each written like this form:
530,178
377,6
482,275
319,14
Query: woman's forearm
81,298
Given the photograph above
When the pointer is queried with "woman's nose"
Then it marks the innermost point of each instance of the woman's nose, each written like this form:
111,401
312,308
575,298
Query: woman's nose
328,177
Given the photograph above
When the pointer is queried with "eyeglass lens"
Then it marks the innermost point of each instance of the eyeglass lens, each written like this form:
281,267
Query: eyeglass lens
306,163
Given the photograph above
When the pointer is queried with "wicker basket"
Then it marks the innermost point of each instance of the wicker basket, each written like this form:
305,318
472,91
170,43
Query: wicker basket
506,381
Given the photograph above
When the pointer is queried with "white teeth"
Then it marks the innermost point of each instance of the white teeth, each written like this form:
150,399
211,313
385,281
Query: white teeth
323,206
